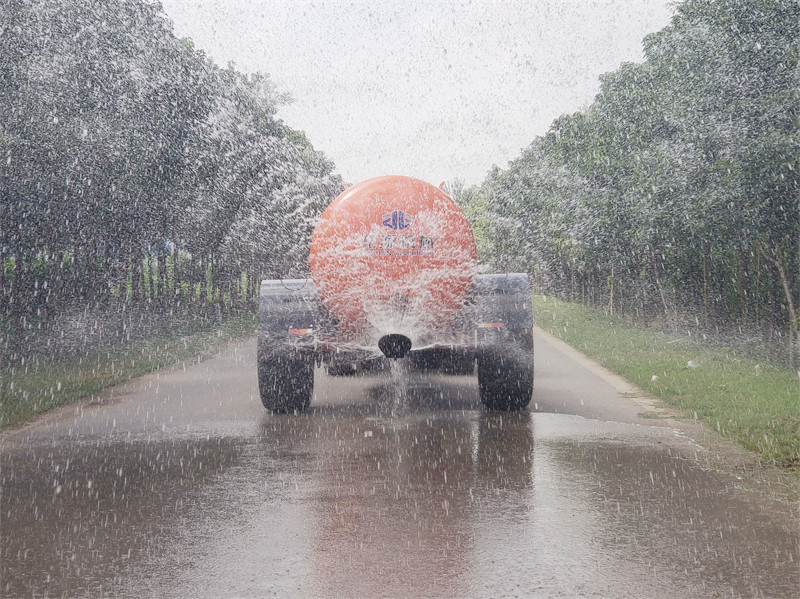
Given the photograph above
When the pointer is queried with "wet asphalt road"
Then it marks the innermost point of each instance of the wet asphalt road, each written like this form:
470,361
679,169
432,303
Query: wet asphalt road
179,485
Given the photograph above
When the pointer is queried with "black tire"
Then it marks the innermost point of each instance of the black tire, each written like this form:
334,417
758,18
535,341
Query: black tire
505,381
285,380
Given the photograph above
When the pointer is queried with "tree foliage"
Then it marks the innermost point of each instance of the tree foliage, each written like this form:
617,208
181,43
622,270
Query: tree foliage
679,185
132,168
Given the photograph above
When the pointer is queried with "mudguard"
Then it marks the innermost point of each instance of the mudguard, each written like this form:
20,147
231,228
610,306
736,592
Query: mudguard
289,311
503,310
504,340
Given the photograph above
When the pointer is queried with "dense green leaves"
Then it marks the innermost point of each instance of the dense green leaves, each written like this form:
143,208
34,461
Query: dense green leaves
132,168
680,185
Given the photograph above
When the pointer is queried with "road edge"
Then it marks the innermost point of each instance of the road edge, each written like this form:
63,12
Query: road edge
114,393
719,453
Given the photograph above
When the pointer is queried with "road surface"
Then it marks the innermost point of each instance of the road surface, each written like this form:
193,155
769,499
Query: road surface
178,484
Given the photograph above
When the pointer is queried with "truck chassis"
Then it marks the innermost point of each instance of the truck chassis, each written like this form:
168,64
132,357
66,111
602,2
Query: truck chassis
495,329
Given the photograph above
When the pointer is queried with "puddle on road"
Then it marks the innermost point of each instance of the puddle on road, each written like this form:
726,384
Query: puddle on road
427,502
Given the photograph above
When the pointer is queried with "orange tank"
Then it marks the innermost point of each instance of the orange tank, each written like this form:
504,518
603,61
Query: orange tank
393,255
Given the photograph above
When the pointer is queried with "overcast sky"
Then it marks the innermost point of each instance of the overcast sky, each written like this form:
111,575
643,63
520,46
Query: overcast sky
437,90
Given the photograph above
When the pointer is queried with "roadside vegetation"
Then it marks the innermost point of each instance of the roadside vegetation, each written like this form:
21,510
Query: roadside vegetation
666,215
28,390
145,191
754,402
138,179
676,193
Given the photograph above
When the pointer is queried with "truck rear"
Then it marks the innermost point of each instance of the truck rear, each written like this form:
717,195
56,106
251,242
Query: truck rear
393,276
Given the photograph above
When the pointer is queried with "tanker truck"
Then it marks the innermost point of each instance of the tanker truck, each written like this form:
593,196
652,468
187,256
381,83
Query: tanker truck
393,277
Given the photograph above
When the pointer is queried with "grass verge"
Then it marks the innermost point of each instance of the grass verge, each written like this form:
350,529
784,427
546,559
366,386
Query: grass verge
754,403
35,389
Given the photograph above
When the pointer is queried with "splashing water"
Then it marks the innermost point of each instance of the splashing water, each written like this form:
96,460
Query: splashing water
399,384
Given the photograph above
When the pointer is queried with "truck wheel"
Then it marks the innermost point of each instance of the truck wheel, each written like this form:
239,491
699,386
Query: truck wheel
505,383
286,380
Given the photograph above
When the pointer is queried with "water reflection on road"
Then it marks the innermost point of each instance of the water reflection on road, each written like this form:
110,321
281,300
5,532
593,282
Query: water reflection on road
188,489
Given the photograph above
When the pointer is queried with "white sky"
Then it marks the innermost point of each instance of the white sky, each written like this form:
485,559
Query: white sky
436,90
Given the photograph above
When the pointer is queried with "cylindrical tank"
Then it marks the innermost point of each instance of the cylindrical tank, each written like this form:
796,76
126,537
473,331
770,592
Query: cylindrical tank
393,255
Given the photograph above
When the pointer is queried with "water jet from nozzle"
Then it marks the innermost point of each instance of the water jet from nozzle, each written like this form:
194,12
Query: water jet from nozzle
394,345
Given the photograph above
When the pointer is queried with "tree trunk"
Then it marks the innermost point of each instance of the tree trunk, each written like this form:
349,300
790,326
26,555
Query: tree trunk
17,309
611,292
794,325
758,289
210,280
192,278
719,300
705,283
657,276
3,292
160,283
144,267
741,284
133,271
176,278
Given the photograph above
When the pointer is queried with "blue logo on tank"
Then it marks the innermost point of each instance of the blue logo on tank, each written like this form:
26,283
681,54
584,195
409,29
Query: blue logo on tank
398,220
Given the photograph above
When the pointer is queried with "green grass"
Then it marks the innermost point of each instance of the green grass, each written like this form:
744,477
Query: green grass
754,403
28,391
